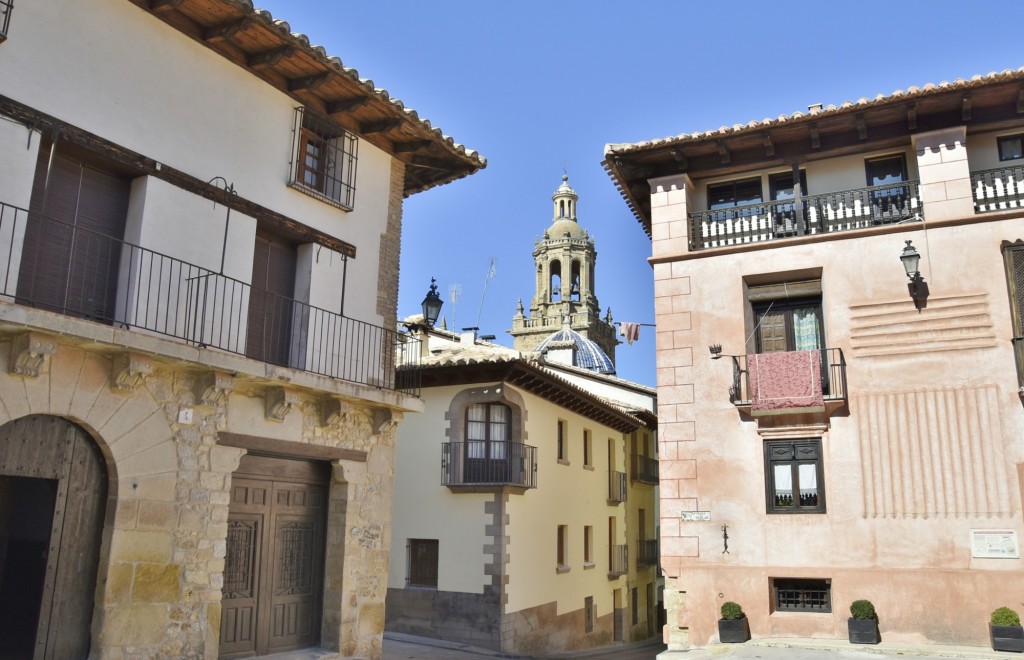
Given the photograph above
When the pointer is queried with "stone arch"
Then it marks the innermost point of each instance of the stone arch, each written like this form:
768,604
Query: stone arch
499,393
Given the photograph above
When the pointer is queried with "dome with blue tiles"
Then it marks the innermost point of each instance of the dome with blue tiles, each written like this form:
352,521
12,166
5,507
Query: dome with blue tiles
587,354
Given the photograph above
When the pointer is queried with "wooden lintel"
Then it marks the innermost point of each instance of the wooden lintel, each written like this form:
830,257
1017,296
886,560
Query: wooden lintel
680,159
379,126
345,105
160,6
769,148
227,29
965,108
429,163
408,147
269,58
862,128
912,116
723,151
815,137
309,82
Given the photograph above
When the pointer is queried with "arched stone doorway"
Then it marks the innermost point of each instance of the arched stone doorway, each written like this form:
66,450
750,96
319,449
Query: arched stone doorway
53,491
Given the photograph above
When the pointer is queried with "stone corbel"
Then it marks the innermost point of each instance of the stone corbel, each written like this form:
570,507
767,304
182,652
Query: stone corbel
334,412
212,388
385,420
129,371
279,402
29,351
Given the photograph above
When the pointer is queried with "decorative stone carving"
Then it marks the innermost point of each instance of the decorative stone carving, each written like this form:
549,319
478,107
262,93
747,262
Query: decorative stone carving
335,411
29,351
279,402
385,420
212,388
130,369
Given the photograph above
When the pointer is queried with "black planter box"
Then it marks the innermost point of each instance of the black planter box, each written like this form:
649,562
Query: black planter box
733,631
1006,638
863,631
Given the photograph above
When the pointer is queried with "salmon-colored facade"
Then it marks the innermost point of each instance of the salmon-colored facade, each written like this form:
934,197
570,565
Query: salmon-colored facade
841,439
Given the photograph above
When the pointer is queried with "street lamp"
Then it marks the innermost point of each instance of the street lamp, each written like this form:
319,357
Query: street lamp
917,287
432,305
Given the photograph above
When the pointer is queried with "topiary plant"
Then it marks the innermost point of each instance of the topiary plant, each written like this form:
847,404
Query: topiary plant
862,610
1004,616
732,611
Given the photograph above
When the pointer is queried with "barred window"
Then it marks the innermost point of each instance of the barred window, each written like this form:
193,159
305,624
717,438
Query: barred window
423,562
324,160
5,17
793,595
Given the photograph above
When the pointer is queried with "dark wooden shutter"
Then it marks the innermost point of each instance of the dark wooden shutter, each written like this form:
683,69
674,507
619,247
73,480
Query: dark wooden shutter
270,301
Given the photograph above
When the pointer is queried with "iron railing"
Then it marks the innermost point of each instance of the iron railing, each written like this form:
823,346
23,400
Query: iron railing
616,486
484,463
833,377
5,17
999,189
645,469
1018,354
78,272
647,552
813,214
618,560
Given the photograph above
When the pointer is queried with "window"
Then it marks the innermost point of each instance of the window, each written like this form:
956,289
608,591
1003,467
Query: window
892,203
782,187
487,438
787,316
635,598
5,17
324,161
423,563
588,614
794,476
562,565
588,546
587,449
1011,147
734,193
793,595
563,451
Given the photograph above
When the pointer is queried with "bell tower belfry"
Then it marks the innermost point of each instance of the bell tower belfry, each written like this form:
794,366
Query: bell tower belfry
564,291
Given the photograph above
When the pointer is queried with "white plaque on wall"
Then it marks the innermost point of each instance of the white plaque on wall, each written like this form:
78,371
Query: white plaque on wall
994,544
695,516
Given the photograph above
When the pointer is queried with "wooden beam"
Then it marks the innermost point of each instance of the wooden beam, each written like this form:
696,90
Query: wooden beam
723,151
769,148
815,137
309,82
380,126
680,159
912,117
341,106
965,108
1020,101
226,30
862,128
409,147
429,163
161,6
269,58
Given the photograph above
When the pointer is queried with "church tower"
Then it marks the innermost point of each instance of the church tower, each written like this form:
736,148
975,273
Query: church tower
564,259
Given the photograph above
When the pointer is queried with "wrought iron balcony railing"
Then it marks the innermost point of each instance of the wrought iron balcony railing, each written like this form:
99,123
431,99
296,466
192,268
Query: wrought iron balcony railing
1000,189
833,380
488,464
5,17
647,553
618,560
616,486
78,272
813,214
645,469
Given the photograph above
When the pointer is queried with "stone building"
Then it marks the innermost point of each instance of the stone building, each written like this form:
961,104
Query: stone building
200,220
855,431
538,534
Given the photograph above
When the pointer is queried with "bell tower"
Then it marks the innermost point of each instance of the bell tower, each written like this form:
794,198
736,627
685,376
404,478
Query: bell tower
564,289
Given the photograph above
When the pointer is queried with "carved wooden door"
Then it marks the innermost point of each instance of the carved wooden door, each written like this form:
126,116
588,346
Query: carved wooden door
273,573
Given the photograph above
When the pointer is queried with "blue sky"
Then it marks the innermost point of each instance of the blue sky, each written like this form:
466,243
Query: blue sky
535,86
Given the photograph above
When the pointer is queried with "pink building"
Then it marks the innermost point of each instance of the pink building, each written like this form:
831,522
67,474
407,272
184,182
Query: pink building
842,439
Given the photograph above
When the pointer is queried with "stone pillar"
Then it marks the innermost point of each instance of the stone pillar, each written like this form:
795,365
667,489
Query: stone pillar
671,201
944,173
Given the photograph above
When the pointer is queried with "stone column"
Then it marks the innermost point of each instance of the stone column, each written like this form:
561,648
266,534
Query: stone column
944,173
671,201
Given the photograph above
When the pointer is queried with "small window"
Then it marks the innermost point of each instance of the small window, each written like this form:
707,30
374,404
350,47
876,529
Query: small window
883,171
734,193
794,476
588,546
5,17
1011,147
588,613
324,161
423,563
795,595
781,185
587,449
563,451
562,562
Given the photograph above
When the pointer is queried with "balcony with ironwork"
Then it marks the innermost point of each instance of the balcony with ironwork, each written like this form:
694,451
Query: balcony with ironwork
647,553
828,366
645,469
999,189
5,17
485,466
832,212
616,487
618,560
77,272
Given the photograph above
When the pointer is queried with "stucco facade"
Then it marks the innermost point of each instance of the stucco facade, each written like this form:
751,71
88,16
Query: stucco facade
231,422
911,474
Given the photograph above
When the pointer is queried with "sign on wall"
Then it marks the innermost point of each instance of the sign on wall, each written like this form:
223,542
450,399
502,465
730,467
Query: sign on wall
994,544
695,516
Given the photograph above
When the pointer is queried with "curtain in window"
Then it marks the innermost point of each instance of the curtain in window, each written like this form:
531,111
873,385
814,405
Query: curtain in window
783,481
808,478
806,332
499,431
476,430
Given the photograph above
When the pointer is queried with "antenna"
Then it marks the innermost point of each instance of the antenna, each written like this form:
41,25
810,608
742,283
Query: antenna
454,293
490,275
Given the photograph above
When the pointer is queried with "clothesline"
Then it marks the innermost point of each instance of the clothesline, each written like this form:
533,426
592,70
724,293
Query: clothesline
631,331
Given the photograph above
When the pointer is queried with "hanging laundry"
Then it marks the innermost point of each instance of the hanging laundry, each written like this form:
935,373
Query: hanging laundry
630,331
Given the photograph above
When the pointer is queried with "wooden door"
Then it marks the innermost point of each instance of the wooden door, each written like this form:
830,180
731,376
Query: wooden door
771,331
72,246
273,573
269,331
56,478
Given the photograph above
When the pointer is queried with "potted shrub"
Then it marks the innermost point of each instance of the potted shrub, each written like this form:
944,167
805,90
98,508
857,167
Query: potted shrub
863,623
1005,632
733,627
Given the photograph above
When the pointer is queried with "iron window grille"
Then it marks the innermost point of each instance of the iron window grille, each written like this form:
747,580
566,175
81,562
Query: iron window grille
423,556
324,159
6,6
802,595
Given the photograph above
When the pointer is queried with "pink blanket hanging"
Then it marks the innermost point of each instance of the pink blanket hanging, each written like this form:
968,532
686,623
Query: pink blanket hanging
785,382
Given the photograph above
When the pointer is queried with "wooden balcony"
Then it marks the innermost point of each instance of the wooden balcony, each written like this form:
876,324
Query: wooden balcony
488,466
